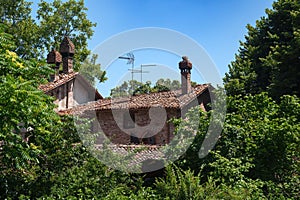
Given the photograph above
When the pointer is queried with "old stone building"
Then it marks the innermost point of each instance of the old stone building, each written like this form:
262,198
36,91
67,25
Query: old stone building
130,123
144,119
139,119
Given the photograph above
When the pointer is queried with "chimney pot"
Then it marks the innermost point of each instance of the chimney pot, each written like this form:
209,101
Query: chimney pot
67,50
54,57
185,67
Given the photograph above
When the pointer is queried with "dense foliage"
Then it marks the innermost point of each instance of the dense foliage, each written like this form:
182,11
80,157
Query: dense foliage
55,19
35,37
257,155
259,148
269,59
40,152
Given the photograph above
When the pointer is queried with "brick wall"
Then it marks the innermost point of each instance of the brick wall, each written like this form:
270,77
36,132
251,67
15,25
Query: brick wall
112,124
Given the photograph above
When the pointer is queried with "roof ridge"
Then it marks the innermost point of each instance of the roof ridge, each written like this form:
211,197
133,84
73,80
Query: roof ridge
142,101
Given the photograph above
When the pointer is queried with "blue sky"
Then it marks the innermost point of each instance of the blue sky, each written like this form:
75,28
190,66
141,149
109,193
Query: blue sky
216,25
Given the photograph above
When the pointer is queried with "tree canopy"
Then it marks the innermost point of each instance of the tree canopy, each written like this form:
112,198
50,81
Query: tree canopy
36,36
257,155
27,116
91,70
268,59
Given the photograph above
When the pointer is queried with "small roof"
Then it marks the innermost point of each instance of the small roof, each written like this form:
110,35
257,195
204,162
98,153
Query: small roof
170,99
143,152
134,155
67,46
63,79
54,57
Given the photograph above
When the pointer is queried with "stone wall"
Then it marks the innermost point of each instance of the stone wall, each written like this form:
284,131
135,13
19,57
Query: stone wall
145,129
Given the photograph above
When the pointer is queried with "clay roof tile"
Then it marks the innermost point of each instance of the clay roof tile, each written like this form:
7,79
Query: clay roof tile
170,99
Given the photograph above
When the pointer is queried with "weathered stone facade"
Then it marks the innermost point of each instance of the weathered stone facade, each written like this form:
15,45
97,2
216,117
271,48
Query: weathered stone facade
140,119
112,123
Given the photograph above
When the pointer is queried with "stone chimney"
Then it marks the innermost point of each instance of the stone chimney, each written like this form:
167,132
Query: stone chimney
54,57
185,67
67,50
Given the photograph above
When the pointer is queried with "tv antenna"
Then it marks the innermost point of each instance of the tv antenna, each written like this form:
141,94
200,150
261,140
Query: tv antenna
130,60
141,70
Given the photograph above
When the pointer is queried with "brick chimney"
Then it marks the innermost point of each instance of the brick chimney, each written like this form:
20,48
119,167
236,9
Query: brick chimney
185,67
67,50
54,57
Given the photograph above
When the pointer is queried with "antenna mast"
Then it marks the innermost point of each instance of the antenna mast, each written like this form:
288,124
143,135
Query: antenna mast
130,58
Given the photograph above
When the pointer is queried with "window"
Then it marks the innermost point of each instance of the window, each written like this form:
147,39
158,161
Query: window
134,140
150,140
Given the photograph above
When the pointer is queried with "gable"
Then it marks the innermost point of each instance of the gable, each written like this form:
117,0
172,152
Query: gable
70,90
84,92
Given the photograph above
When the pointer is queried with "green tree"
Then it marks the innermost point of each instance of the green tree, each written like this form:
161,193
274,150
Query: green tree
269,58
56,19
68,18
92,70
166,85
36,37
27,117
126,88
161,85
16,15
37,146
143,89
120,91
184,184
171,84
259,146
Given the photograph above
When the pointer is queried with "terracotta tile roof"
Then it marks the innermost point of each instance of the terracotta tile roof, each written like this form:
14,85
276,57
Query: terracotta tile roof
137,153
63,79
170,99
